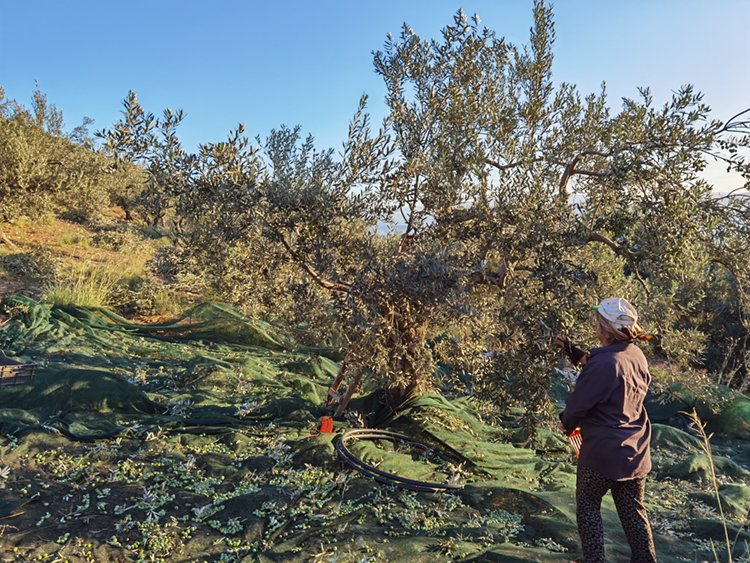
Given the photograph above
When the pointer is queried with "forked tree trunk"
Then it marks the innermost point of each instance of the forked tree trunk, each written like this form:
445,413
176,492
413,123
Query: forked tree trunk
409,362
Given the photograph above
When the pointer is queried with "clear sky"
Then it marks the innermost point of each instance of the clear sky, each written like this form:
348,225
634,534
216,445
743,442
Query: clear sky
307,62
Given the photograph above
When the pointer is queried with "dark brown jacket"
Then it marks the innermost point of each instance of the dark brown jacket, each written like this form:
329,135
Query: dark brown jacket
607,403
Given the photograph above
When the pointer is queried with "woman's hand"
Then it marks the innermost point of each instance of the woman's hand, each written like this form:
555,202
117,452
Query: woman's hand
574,353
561,340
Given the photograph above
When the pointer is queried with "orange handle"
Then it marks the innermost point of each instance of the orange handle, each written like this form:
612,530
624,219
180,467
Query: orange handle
326,425
576,441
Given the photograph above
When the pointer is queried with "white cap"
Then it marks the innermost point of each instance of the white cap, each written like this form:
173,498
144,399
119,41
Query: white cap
618,312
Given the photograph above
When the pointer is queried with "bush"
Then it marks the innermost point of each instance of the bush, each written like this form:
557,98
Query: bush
144,297
43,171
115,240
36,266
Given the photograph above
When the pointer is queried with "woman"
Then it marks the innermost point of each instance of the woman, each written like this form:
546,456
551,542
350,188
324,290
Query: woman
607,405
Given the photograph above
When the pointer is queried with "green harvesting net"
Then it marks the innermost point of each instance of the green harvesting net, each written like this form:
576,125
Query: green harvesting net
194,440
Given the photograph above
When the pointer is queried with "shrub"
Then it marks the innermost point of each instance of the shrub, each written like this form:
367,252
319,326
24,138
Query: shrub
115,240
37,266
43,171
144,296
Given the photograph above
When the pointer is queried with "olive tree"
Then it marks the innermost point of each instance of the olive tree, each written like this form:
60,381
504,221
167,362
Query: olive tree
141,142
43,169
490,206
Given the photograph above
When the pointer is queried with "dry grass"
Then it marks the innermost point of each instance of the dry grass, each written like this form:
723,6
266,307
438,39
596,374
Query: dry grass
87,274
90,287
71,243
705,443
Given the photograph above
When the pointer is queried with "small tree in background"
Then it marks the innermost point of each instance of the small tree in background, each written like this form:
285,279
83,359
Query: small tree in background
139,139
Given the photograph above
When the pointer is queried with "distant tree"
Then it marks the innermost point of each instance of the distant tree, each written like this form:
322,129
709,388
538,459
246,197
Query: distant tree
43,169
81,135
490,200
46,116
139,139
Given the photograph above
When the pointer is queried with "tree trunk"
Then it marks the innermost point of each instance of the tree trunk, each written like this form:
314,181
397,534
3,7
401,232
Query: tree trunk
411,359
408,364
126,208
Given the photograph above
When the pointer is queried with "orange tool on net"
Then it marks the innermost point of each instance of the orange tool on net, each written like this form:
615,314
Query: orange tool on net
326,425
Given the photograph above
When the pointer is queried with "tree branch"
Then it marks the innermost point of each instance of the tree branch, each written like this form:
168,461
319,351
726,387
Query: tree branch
410,223
6,240
496,164
732,126
592,173
569,169
617,248
733,193
342,287
622,251
498,278
572,168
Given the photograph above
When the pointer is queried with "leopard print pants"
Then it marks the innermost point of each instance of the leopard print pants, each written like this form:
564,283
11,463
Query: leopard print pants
628,496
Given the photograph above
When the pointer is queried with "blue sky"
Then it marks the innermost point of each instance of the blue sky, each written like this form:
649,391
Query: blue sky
308,62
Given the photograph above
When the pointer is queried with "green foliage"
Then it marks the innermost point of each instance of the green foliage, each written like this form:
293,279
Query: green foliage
43,170
144,296
116,239
38,266
151,144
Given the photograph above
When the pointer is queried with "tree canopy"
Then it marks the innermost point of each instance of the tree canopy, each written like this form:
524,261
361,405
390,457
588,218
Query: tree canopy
489,200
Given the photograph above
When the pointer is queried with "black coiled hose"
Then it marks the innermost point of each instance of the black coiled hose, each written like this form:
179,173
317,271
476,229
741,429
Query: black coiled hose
348,458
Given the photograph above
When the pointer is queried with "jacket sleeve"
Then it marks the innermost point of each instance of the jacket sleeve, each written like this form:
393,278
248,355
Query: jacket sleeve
595,384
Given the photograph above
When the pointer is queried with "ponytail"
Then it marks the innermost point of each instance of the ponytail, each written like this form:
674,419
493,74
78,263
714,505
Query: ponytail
621,334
